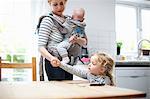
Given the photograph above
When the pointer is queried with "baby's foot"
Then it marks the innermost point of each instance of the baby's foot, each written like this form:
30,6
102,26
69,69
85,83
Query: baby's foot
65,59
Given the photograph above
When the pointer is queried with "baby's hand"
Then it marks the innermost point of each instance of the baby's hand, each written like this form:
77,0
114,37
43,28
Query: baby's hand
55,62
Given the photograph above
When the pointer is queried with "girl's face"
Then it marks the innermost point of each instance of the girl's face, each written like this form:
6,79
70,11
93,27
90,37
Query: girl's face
95,67
57,6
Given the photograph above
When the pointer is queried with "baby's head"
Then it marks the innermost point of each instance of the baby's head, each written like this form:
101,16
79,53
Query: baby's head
101,64
78,14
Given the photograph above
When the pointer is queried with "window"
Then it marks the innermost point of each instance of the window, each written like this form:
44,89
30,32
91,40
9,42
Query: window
16,37
132,25
15,28
145,27
126,28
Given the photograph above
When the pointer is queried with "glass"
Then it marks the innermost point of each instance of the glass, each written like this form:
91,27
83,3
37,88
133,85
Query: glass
145,13
126,28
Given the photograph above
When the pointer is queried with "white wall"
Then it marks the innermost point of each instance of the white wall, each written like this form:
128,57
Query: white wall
100,20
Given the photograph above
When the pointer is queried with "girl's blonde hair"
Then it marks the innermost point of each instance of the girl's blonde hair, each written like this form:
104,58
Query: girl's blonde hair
107,61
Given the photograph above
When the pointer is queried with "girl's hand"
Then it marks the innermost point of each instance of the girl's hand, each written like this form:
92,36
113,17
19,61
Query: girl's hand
55,62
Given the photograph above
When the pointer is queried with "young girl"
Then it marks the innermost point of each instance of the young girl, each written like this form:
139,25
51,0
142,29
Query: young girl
99,70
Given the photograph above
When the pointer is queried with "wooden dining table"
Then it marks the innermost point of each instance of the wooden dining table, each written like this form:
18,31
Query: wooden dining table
64,89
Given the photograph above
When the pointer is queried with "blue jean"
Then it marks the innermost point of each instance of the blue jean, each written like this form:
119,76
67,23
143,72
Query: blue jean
56,73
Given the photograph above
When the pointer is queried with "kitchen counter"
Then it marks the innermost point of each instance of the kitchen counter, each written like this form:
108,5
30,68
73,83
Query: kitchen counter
132,63
64,89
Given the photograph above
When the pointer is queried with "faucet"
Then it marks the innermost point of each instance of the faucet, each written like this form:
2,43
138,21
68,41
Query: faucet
139,46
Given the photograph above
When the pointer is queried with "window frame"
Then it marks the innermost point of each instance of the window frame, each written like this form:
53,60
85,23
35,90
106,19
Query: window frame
138,8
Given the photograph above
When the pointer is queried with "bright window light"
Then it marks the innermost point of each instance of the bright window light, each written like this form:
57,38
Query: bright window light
126,28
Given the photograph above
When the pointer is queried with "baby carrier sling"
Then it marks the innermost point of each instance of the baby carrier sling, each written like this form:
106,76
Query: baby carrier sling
73,51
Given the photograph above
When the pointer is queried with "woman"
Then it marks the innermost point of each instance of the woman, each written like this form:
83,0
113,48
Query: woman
49,36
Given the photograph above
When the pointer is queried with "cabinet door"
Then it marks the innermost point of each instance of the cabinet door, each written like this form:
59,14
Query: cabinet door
133,78
133,82
148,95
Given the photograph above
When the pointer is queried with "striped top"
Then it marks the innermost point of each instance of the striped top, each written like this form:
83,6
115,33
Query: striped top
49,34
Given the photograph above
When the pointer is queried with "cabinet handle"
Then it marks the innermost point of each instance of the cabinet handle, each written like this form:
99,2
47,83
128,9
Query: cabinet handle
134,76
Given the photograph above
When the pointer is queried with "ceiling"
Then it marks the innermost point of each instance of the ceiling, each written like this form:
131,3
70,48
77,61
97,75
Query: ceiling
147,2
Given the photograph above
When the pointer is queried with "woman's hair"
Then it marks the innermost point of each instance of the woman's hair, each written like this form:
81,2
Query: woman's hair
49,1
107,61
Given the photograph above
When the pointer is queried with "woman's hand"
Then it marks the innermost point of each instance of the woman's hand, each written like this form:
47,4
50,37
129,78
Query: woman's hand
55,62
73,39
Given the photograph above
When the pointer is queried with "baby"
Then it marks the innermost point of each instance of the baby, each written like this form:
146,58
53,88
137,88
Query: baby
75,27
99,69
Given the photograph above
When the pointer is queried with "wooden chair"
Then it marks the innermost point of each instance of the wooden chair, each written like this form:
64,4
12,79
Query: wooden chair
31,65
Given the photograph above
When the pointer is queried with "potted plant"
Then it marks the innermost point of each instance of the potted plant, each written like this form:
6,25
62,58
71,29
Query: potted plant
119,44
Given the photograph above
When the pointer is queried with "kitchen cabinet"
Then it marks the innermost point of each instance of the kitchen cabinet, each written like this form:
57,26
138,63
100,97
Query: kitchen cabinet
133,76
149,85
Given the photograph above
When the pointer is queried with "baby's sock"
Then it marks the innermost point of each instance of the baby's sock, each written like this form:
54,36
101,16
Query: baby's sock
65,59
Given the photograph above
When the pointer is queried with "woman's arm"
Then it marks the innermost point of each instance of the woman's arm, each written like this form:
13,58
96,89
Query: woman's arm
44,32
45,53
54,60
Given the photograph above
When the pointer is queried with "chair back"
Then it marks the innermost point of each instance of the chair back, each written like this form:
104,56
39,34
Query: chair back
31,65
